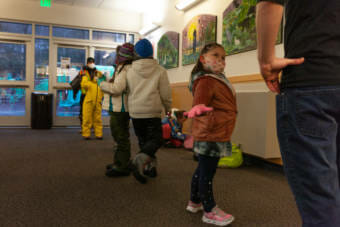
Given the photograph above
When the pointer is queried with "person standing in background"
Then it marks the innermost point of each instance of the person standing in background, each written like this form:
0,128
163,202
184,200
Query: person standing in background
119,113
92,104
83,72
308,100
149,92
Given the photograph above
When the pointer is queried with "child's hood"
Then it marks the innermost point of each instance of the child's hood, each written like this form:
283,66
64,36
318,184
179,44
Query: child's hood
145,67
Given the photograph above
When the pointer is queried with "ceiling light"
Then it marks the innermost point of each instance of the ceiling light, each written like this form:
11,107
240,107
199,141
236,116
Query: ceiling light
186,4
149,28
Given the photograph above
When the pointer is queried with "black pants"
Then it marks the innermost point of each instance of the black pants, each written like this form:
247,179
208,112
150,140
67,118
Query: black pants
119,123
202,182
149,133
82,98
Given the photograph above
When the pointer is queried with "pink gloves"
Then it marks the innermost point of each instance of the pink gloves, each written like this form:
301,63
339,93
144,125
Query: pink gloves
197,111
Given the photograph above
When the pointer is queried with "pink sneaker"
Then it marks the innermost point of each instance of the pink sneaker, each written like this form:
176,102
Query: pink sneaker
217,217
194,207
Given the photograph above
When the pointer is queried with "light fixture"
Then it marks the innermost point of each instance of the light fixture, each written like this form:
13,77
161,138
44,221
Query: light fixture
186,4
149,28
106,55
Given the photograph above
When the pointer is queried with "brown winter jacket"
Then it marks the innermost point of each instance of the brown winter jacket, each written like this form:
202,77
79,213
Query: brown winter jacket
218,125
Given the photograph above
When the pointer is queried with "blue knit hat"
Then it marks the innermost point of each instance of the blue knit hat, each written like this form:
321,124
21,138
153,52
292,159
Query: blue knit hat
144,48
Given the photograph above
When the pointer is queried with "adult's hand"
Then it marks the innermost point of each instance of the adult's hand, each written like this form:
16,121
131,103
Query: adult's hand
268,21
270,71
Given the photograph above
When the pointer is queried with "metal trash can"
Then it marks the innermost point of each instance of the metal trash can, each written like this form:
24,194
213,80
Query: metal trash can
41,110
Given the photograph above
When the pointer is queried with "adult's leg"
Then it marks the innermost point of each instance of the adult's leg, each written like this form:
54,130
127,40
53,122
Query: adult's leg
88,108
82,98
307,132
97,121
338,150
338,153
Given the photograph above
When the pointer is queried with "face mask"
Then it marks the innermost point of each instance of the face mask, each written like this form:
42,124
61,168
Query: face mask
91,66
214,66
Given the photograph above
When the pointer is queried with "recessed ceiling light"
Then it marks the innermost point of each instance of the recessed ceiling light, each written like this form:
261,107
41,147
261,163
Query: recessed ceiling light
149,28
186,4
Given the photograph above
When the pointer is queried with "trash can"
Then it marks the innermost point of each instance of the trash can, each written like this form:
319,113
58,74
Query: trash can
41,110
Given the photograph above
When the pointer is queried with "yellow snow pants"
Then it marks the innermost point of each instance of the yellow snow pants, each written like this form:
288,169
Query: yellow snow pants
92,117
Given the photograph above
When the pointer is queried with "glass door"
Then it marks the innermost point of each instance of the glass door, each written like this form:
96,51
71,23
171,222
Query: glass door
16,81
104,59
69,60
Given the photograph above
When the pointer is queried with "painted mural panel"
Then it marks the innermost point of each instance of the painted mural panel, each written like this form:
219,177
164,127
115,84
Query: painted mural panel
201,30
168,50
239,28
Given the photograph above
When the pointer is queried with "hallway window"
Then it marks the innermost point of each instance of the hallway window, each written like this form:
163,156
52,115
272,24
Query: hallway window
13,61
15,27
72,33
104,57
41,64
132,38
77,59
42,30
12,101
104,62
109,36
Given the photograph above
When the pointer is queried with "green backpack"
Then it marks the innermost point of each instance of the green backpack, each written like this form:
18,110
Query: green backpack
233,161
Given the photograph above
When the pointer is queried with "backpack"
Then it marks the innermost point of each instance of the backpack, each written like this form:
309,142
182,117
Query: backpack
233,161
166,131
75,84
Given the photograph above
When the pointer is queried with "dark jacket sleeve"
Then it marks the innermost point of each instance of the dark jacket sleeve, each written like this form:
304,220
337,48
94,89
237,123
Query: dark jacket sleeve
281,2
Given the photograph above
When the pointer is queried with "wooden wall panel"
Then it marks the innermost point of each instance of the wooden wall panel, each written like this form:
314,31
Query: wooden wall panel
182,98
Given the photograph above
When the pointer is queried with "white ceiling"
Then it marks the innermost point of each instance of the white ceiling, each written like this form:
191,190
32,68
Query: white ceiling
138,6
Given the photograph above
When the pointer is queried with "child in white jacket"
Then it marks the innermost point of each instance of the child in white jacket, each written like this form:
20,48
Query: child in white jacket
115,101
149,93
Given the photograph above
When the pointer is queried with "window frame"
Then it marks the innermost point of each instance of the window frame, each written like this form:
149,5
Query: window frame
29,40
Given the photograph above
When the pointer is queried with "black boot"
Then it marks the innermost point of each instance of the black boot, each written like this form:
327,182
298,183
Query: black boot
151,168
115,172
138,166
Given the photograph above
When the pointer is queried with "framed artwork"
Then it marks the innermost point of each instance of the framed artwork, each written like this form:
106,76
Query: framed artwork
168,50
201,30
239,27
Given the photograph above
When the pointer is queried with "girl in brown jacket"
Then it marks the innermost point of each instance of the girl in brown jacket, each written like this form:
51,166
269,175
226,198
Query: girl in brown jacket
211,131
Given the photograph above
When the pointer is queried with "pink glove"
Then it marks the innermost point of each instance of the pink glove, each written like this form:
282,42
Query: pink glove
197,111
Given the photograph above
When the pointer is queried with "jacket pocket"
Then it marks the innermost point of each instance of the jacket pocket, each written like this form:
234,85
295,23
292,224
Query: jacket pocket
222,119
203,125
